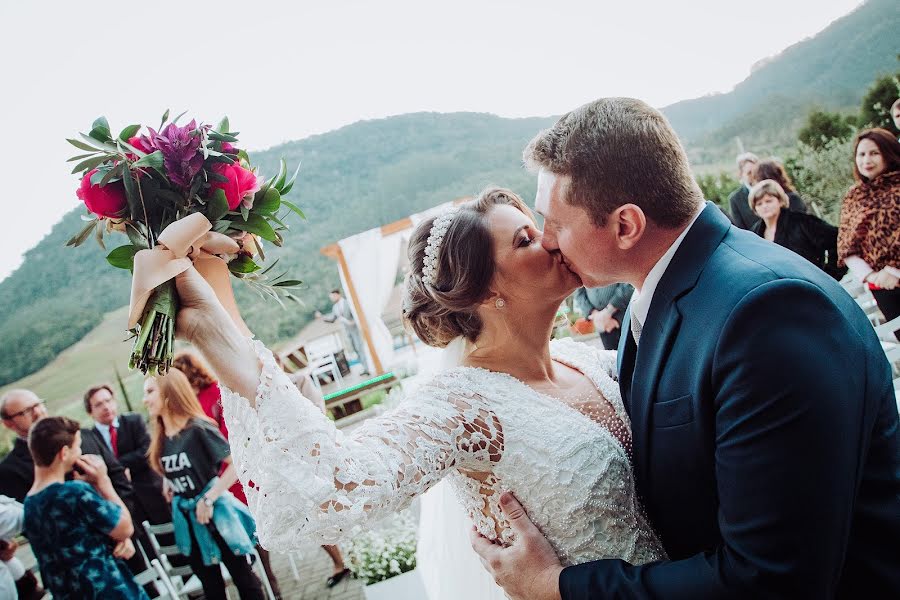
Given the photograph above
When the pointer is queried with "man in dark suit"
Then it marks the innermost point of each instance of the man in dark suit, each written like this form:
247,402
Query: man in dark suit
764,424
605,307
126,436
741,213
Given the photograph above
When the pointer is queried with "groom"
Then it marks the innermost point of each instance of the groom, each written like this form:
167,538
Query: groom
765,428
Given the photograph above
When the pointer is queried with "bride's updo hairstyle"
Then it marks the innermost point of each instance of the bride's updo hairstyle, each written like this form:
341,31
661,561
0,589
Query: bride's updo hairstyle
445,306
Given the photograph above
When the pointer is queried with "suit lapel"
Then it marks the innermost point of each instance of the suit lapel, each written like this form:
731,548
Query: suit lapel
658,334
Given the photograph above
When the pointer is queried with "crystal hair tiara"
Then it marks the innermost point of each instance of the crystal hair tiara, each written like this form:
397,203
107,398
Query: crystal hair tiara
433,246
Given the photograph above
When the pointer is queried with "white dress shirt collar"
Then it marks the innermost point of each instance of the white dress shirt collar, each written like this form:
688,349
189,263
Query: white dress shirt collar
641,299
104,431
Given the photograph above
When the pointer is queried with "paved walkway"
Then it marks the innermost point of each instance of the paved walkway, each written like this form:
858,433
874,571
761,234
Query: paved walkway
314,568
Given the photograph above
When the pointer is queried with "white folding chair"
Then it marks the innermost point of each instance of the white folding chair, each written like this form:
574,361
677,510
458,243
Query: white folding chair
184,574
156,574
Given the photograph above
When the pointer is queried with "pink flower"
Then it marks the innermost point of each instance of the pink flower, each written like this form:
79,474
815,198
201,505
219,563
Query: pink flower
105,201
142,143
242,184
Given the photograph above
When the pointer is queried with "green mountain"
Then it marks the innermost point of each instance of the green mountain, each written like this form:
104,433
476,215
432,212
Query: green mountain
830,70
358,177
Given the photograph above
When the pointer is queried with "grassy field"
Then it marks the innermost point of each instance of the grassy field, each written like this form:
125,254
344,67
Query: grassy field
91,361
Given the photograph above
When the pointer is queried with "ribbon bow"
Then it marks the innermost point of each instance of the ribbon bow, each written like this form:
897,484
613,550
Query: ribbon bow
185,242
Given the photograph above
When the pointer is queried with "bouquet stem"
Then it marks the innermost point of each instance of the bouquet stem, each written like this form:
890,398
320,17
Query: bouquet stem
155,344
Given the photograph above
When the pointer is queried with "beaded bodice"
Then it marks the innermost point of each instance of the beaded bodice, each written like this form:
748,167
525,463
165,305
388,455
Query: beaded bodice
568,463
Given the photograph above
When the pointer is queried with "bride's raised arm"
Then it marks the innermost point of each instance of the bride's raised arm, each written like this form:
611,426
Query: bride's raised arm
306,480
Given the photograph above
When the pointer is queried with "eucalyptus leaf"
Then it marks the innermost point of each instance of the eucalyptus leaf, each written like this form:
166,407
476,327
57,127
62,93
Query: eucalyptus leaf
223,125
81,156
82,235
125,146
129,132
113,174
123,257
289,283
87,165
100,130
81,145
99,144
154,161
222,137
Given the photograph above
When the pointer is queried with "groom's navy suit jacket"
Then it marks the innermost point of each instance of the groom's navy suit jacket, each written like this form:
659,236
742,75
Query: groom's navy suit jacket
765,430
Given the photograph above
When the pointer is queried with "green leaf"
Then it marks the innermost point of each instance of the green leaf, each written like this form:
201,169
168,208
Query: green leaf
223,125
222,137
82,235
154,161
99,145
217,207
129,132
125,146
114,173
243,264
294,208
290,184
282,174
269,203
100,130
123,257
221,226
136,236
81,145
98,235
245,212
131,193
171,196
87,165
175,120
81,156
256,224
289,283
165,118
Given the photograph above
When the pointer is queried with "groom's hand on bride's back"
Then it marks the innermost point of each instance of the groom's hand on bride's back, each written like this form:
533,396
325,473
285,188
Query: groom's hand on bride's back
529,568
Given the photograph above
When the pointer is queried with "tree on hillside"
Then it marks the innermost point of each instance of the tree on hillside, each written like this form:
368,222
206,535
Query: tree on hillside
876,105
822,126
717,188
823,175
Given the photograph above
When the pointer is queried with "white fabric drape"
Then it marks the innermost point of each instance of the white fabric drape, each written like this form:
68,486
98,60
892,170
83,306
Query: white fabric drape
372,260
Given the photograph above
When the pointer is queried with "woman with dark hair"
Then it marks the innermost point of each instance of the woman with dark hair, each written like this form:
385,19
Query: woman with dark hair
542,420
211,526
869,234
774,170
809,236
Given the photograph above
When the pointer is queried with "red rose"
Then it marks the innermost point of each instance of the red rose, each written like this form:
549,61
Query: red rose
106,201
242,184
141,143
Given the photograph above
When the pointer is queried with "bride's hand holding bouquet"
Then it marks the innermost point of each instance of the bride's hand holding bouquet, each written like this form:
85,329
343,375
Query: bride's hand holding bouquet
183,195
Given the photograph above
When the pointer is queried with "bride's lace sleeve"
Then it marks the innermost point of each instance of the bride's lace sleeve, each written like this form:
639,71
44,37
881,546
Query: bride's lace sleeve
305,480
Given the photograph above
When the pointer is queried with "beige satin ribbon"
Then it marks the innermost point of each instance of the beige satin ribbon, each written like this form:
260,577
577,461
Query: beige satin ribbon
183,243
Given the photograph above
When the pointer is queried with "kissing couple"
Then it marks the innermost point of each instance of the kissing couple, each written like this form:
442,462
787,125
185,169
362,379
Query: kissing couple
742,443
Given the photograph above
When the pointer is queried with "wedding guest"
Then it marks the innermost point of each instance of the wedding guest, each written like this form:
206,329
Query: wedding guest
211,526
605,306
774,170
341,313
205,385
127,437
16,582
868,240
79,530
807,235
741,215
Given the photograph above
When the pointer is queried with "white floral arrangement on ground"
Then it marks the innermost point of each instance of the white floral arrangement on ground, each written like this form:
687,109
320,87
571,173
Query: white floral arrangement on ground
383,553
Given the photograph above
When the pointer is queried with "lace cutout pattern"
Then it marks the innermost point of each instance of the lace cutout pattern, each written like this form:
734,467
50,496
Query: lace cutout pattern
307,481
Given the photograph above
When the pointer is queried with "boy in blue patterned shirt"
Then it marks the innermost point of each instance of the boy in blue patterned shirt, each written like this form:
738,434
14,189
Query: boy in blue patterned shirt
79,530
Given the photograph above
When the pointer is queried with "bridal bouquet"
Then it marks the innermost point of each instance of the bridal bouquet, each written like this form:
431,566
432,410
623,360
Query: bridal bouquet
182,195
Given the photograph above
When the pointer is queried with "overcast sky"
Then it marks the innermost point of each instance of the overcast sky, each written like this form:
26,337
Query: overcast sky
284,70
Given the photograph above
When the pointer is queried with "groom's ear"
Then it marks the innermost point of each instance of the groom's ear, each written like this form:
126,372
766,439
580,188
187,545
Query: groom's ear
628,223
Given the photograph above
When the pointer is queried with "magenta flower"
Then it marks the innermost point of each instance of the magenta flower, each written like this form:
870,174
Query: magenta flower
180,147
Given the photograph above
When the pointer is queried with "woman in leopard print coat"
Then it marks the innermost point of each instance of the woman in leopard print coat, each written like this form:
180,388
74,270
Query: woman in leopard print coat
869,235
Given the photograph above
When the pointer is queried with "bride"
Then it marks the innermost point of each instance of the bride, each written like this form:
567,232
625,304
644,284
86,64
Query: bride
542,420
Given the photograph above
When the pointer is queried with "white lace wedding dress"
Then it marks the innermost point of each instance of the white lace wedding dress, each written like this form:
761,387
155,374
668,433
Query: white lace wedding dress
485,432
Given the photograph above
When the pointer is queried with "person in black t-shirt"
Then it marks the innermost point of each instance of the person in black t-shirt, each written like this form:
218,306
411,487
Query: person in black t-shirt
188,450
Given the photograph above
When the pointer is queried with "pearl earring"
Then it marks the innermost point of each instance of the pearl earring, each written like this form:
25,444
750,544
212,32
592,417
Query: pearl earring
500,303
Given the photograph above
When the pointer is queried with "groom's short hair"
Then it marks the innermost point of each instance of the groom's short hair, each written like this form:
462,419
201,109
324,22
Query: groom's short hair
619,151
